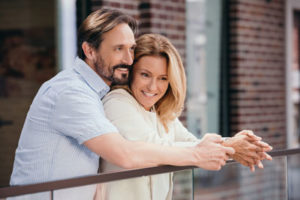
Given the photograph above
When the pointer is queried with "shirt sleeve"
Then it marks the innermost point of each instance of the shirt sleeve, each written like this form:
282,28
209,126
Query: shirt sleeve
79,114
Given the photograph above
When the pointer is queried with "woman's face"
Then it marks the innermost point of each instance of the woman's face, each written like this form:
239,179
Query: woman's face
149,80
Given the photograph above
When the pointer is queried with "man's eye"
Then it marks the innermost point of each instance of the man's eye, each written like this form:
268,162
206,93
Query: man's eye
144,74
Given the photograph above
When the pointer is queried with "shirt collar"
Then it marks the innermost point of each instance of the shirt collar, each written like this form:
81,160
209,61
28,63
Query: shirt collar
91,77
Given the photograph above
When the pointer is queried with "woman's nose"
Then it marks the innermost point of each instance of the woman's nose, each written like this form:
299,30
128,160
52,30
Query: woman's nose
152,85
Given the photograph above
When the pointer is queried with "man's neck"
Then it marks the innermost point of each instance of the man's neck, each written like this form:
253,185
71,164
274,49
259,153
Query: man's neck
91,65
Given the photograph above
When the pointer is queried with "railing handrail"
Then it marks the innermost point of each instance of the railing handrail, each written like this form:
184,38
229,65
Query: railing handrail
107,177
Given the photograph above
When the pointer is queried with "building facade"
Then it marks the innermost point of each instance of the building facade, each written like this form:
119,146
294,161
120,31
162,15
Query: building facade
242,64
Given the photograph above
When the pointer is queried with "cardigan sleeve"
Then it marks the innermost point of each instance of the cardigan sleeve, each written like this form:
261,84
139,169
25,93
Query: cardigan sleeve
182,136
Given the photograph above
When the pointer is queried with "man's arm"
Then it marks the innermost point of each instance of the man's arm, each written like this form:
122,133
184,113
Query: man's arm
208,154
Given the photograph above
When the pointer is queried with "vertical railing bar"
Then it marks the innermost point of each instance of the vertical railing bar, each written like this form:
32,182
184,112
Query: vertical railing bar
287,177
51,194
193,185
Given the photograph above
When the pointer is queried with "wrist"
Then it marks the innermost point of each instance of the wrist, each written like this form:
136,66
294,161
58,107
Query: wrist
227,141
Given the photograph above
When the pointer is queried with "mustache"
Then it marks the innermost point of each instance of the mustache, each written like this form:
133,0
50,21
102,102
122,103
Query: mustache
122,66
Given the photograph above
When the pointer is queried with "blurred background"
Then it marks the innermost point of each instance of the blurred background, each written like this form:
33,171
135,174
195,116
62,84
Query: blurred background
242,63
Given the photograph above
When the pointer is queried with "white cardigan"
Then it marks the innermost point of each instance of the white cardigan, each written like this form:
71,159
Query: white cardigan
136,124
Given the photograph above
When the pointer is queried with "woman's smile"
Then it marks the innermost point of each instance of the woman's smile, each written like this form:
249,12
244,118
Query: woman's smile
150,80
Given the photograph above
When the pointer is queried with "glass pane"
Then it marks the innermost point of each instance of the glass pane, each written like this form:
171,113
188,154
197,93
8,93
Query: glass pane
196,70
293,166
183,185
203,44
235,181
74,193
178,185
295,83
35,196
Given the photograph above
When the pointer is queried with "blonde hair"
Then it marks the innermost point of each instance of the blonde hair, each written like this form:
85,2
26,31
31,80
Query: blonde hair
98,23
171,104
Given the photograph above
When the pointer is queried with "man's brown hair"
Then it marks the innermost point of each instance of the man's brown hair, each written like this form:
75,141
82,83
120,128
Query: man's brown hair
98,23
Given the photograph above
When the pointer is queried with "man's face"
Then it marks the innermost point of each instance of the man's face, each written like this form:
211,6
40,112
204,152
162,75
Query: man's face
115,55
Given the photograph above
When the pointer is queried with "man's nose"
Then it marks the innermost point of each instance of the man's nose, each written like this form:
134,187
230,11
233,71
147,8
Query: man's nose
128,58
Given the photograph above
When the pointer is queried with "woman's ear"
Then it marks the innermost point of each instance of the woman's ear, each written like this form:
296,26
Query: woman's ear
88,50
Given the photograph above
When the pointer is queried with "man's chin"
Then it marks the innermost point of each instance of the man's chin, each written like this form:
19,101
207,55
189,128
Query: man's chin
118,81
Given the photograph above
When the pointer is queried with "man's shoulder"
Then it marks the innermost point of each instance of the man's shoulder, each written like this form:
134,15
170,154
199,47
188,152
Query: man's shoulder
67,81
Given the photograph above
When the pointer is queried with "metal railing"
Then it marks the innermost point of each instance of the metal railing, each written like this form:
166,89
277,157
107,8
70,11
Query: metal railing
107,177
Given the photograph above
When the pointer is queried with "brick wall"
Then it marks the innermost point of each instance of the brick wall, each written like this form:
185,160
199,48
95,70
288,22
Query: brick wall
257,69
127,6
154,16
257,95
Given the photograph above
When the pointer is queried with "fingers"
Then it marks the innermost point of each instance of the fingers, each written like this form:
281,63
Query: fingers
247,164
250,160
255,148
254,156
246,148
223,162
243,161
259,164
213,154
213,137
250,134
267,156
252,168
228,150
227,157
264,145
256,140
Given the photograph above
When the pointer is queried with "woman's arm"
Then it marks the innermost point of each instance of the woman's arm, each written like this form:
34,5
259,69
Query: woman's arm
182,134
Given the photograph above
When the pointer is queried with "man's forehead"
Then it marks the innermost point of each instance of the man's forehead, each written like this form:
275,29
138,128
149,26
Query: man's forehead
119,35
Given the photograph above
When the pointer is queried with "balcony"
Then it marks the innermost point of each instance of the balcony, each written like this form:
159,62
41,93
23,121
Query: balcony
279,180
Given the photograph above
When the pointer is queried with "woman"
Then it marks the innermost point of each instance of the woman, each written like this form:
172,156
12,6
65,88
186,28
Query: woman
147,110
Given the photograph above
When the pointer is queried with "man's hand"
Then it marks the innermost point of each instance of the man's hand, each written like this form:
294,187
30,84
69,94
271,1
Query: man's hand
211,154
249,149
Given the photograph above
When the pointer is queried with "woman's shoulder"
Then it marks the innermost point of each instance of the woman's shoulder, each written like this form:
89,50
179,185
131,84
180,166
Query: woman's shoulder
119,94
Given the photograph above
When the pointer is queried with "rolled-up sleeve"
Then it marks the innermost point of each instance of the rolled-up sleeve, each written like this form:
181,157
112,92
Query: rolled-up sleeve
79,114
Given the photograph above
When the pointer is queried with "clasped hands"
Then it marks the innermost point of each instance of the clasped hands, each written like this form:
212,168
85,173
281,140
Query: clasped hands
245,147
250,150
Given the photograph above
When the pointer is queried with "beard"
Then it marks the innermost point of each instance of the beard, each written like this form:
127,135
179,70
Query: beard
108,72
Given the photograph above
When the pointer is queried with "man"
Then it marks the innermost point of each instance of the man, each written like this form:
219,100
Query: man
66,130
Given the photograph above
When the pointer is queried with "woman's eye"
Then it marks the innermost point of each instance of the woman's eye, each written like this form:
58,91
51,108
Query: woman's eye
164,78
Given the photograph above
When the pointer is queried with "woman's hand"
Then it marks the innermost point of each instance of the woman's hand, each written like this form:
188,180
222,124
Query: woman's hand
249,149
